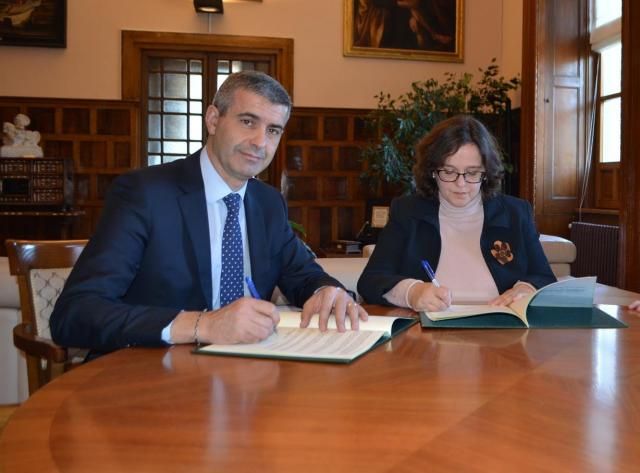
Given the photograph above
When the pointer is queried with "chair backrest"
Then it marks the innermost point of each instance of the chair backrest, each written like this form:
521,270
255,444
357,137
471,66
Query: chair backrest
41,268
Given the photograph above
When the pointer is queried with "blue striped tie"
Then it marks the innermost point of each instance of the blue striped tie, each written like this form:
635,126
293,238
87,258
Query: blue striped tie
231,285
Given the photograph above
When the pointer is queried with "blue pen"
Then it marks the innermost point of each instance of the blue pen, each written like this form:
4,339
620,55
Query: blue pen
430,273
252,287
254,293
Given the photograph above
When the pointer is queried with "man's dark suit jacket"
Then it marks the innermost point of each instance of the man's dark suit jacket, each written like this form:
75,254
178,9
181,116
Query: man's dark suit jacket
413,234
150,258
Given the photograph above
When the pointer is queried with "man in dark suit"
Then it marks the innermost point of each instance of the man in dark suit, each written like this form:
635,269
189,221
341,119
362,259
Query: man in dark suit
155,263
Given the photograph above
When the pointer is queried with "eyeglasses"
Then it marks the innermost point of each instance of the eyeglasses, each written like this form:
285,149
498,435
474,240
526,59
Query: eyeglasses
472,177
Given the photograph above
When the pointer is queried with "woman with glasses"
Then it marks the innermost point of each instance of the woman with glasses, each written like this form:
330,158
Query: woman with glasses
483,246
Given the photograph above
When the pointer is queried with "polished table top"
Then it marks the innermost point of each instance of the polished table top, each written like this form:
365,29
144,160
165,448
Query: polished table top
454,400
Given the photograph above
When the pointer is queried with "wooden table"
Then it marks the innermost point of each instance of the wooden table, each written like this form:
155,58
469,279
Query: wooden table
450,401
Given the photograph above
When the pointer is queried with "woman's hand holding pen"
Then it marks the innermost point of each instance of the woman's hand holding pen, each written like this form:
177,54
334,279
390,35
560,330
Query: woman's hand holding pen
428,296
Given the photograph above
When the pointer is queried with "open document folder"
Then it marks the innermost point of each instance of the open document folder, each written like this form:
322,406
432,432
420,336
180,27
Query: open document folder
563,304
310,344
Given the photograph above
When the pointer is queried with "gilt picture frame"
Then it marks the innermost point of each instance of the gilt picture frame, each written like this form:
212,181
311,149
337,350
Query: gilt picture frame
426,30
41,23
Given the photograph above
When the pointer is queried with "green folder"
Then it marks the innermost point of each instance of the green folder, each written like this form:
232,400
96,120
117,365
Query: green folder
539,317
309,344
563,304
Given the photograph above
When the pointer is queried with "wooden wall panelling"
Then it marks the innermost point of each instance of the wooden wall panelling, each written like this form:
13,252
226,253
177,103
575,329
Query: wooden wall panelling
322,157
607,186
599,216
322,160
556,126
100,135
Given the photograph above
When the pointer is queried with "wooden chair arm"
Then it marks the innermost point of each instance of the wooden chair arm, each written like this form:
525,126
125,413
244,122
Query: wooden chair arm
26,340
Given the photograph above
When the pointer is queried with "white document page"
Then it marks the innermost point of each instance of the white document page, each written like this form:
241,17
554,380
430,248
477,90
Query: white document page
574,292
306,343
292,341
378,323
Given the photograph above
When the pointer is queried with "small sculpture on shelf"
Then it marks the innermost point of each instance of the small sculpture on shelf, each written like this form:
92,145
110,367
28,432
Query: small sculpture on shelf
18,142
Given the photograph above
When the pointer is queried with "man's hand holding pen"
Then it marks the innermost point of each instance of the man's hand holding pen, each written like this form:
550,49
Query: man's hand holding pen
246,320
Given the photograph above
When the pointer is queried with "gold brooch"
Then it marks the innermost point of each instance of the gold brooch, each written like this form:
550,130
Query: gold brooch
502,252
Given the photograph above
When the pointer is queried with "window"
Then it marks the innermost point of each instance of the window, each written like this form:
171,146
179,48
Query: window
609,102
174,108
176,99
606,42
606,11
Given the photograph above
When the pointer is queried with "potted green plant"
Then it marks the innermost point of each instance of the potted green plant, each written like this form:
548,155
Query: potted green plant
401,122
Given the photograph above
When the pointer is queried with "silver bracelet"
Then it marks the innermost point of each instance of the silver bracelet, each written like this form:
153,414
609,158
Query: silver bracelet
195,328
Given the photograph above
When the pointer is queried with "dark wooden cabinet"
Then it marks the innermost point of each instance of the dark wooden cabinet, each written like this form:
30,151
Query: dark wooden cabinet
36,183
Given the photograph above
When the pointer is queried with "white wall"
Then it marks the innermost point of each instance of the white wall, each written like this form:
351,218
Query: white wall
90,65
511,40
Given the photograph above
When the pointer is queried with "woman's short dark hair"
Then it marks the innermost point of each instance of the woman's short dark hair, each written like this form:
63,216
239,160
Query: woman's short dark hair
257,82
445,139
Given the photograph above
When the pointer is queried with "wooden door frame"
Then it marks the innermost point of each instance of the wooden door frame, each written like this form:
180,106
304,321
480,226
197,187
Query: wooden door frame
629,253
529,101
134,43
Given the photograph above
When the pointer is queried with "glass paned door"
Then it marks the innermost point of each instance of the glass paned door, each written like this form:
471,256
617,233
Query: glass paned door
177,94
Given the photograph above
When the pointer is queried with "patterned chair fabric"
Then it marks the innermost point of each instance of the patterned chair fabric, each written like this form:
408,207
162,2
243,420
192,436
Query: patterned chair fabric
46,286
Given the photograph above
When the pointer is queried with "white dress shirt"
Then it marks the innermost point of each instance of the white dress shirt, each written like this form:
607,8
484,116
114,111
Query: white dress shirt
215,189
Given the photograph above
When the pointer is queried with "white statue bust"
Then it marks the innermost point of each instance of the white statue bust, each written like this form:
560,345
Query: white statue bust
18,141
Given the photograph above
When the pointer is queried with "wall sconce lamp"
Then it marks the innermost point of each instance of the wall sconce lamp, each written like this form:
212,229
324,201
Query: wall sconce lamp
208,6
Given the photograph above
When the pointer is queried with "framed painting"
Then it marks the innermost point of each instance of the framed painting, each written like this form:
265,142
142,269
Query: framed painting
33,23
427,30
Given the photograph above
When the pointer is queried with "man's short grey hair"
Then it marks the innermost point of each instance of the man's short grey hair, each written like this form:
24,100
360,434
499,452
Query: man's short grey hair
257,82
